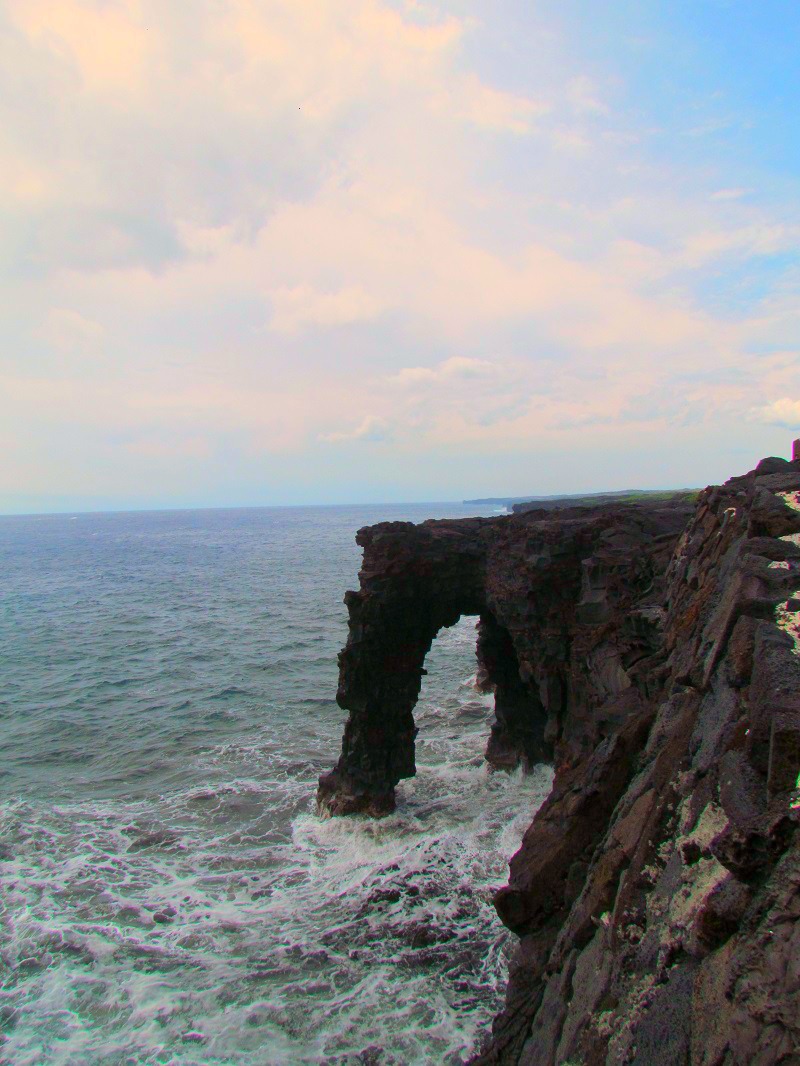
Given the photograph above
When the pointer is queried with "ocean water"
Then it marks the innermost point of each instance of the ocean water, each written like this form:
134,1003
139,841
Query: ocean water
168,894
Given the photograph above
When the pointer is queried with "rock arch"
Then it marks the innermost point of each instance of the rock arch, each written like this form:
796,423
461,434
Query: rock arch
544,589
415,581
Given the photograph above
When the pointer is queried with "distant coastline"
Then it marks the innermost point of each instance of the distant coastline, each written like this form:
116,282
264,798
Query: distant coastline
584,499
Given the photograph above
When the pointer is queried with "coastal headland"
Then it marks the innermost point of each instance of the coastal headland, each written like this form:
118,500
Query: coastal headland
650,651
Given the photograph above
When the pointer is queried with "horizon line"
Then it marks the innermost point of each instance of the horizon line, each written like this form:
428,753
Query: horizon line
69,512
74,512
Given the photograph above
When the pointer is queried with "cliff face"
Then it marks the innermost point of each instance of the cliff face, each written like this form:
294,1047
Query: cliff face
656,893
651,652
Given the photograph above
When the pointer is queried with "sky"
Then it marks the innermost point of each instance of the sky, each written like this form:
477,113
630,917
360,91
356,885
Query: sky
261,252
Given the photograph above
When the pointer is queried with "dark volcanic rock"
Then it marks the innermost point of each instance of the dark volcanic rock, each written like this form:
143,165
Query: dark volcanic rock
666,931
570,620
652,652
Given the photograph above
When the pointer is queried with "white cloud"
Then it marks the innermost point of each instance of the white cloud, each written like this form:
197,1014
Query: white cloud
730,194
301,305
745,241
452,368
371,428
784,412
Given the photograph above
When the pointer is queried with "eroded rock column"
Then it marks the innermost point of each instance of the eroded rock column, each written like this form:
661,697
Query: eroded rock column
414,581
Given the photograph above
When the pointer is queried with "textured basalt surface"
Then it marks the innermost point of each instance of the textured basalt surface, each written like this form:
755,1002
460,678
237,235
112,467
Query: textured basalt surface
652,653
569,619
657,891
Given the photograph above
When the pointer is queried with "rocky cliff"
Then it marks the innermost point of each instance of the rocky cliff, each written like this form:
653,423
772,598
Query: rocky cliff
650,651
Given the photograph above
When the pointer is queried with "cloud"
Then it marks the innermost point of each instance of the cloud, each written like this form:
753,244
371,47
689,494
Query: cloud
146,118
456,367
784,412
730,194
69,332
372,428
294,308
493,109
108,43
742,242
265,213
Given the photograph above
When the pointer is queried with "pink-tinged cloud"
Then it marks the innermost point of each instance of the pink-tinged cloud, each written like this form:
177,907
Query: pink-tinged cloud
245,231
294,308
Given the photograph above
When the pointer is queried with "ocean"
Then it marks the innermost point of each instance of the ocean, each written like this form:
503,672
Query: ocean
168,894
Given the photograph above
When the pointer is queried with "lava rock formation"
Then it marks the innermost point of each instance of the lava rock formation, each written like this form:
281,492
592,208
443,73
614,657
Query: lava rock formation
651,651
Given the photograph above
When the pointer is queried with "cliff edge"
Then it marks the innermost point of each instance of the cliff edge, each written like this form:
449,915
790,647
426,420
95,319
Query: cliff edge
651,651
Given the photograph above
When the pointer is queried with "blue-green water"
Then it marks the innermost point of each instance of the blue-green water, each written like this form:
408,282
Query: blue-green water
167,892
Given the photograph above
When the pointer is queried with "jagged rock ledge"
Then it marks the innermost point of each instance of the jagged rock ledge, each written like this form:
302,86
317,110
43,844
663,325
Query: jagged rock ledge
651,652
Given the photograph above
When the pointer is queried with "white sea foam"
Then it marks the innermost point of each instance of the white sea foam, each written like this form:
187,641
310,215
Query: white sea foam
194,909
188,928
133,939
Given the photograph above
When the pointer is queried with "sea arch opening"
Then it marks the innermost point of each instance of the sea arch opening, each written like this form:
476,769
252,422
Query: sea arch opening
471,671
453,712
382,669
